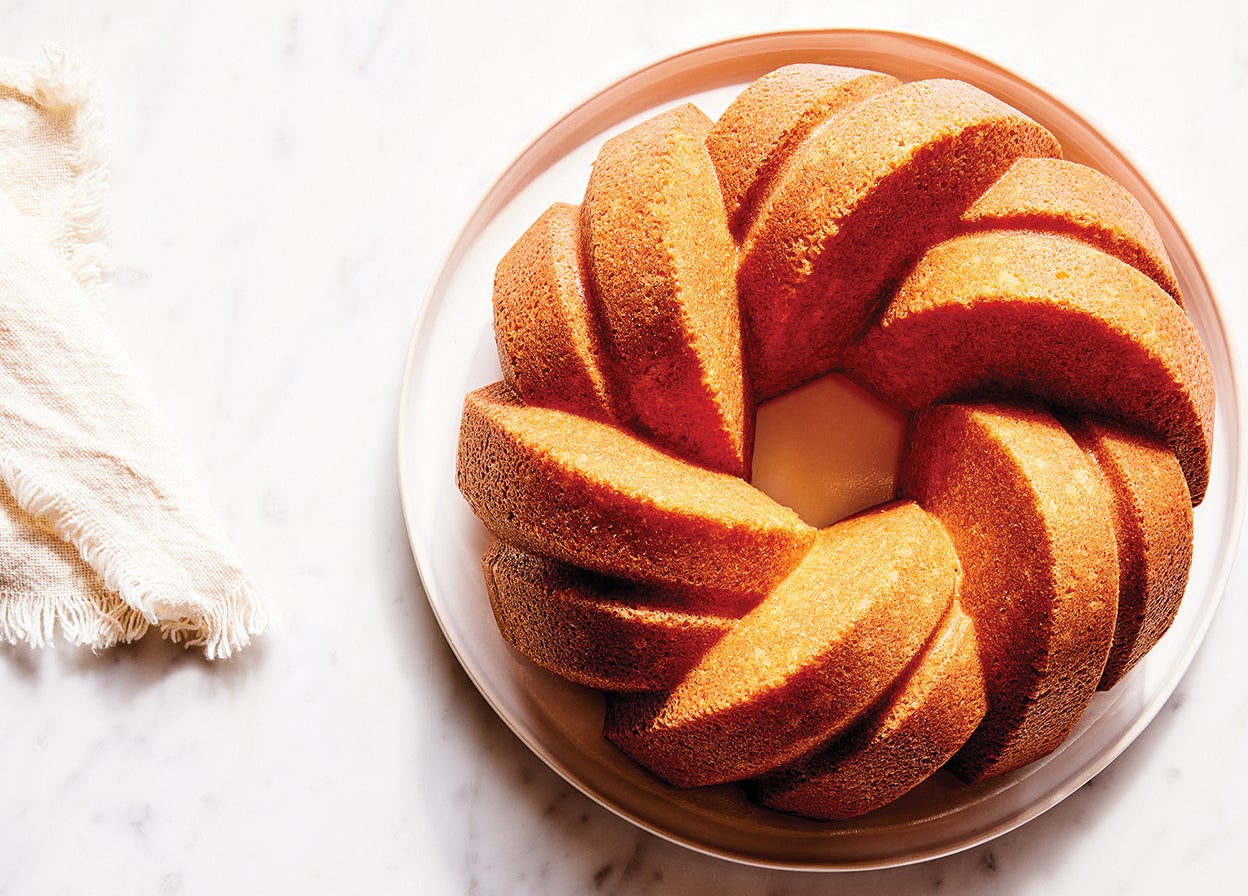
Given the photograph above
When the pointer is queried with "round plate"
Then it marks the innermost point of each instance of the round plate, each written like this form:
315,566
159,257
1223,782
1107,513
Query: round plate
452,351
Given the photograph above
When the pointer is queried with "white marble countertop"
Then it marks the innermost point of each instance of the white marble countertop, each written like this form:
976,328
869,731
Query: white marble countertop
286,178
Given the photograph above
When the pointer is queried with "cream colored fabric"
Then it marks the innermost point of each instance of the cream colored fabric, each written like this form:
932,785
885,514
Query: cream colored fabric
103,533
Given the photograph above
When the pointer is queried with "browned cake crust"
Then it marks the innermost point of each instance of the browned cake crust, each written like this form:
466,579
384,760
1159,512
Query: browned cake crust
759,130
927,241
594,630
662,261
1080,202
909,735
1017,312
1153,524
1031,523
820,649
594,496
862,194
548,341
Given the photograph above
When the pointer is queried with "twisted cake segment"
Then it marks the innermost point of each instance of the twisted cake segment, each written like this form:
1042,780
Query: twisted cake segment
759,130
1030,521
1072,199
1018,312
549,344
864,193
596,631
820,649
594,496
1153,525
662,264
909,735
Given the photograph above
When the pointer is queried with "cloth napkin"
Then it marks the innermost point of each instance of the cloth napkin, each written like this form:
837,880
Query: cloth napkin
103,532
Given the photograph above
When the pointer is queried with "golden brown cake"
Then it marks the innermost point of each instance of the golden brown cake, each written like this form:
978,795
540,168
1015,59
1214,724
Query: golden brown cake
596,631
1153,525
830,639
1025,313
662,262
1031,522
924,719
595,496
878,181
549,344
757,133
1072,199
926,242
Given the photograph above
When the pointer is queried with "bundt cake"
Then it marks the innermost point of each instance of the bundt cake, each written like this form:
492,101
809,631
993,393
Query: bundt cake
928,243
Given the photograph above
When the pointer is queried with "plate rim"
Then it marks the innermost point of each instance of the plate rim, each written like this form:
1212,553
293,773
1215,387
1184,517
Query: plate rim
507,183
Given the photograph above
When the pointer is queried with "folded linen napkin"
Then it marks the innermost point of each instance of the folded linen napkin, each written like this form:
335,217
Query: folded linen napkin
103,532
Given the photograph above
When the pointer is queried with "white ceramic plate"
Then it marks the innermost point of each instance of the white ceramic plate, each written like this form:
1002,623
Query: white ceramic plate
452,351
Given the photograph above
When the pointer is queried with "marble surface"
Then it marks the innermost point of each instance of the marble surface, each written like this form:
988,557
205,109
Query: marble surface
286,178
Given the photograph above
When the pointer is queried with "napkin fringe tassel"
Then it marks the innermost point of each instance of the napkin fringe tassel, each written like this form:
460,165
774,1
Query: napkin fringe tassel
33,619
65,87
220,625
97,621
226,626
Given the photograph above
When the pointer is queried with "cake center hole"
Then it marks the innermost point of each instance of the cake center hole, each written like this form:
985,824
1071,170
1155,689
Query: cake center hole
828,449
